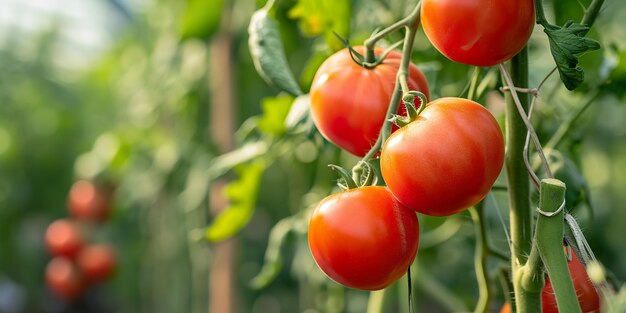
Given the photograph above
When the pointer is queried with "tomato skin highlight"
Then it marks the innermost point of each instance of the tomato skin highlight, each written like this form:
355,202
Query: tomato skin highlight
478,32
446,160
363,238
587,295
349,102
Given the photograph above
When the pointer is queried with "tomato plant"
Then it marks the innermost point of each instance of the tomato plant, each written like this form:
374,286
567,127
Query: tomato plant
349,102
586,292
478,32
363,238
97,262
64,238
63,278
88,201
446,160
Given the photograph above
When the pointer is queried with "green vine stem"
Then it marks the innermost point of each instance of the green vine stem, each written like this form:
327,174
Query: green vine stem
380,300
549,245
411,22
485,292
518,181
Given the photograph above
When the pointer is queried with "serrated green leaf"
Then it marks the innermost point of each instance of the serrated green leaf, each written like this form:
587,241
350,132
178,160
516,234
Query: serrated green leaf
566,43
242,195
201,18
275,110
324,17
268,53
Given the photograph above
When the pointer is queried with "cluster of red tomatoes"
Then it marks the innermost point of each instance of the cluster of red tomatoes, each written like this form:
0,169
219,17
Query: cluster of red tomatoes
76,263
441,163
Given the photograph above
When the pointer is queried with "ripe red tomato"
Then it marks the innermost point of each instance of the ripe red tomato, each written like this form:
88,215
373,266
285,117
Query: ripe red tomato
97,262
363,238
64,238
349,102
446,160
88,201
587,294
64,279
478,32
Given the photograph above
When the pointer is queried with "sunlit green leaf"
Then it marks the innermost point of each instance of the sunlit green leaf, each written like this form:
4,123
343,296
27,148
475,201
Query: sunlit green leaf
227,161
241,195
275,110
201,18
324,17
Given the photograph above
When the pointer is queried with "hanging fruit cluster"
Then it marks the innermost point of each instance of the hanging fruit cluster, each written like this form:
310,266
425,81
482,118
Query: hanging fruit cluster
78,263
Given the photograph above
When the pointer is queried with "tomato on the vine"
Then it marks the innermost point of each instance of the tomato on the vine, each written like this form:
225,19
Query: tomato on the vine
585,291
89,201
446,160
96,262
64,238
363,238
349,102
478,32
63,278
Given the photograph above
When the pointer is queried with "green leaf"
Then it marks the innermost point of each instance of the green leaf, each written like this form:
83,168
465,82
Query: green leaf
617,76
225,162
268,53
324,17
566,43
275,110
273,263
242,195
201,18
299,111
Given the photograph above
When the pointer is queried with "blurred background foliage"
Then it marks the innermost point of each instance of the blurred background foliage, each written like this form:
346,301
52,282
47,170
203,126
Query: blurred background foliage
124,91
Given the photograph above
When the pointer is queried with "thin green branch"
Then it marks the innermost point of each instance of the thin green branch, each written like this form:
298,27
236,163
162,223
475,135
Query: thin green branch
485,292
411,22
592,12
566,126
529,126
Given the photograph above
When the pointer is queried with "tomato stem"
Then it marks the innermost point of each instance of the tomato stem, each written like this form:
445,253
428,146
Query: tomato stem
485,292
518,180
471,93
524,117
549,245
410,21
592,12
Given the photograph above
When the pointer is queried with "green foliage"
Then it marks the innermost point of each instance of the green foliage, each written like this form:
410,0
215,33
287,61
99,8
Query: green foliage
275,110
268,53
201,18
324,17
617,76
241,195
566,42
